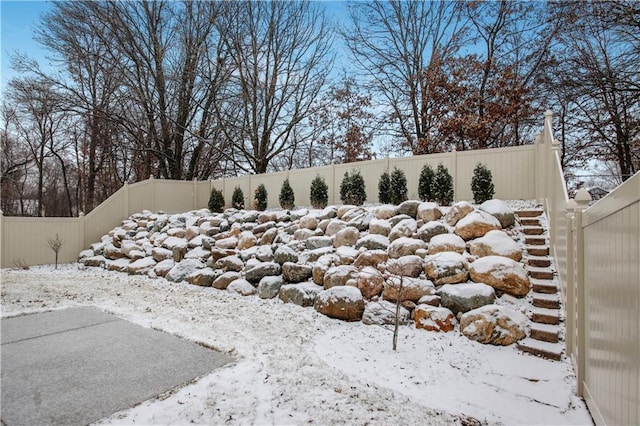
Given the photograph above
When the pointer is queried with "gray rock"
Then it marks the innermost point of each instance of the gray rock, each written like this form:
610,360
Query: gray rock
339,275
346,237
255,274
296,273
316,254
446,268
182,270
269,236
404,228
384,313
302,294
409,207
94,261
465,297
230,263
269,287
223,281
318,242
500,210
285,254
373,242
264,254
405,246
430,230
361,222
203,277
242,287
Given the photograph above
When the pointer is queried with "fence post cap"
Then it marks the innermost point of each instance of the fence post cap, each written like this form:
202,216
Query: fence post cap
548,113
81,214
571,204
582,197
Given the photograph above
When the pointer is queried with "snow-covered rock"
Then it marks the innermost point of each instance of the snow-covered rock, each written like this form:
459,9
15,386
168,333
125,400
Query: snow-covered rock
494,324
409,207
309,222
261,270
369,281
430,230
404,228
408,266
346,237
446,268
269,287
370,258
501,273
383,312
345,303
476,224
222,282
428,212
373,242
230,263
302,294
203,277
141,266
338,276
182,270
406,288
466,297
500,210
433,318
405,246
496,243
458,211
386,211
380,226
295,272
446,242
242,287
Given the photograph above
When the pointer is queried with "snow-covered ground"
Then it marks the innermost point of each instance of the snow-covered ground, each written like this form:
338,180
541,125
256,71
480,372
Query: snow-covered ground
297,366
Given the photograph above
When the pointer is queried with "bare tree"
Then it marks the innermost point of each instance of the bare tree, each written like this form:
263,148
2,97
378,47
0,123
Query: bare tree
394,43
281,53
55,244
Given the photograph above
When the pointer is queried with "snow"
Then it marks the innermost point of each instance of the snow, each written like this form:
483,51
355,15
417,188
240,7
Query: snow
500,265
499,242
467,290
494,207
296,366
334,294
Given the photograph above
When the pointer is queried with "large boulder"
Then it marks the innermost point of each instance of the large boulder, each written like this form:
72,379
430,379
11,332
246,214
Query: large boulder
404,228
428,212
385,211
379,226
407,266
334,226
141,266
500,210
203,277
501,273
242,287
295,272
496,243
457,212
182,270
269,236
314,243
308,222
285,254
230,263
369,281
338,276
405,246
302,294
370,258
433,318
222,282
345,303
383,312
162,268
269,287
466,297
406,288
159,254
321,266
373,242
446,242
227,243
261,270
430,230
409,207
476,224
346,237
446,268
246,239
494,324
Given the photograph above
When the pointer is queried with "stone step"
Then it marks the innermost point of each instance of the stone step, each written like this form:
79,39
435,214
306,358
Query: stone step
539,273
535,241
545,332
543,300
542,250
539,261
532,230
544,315
529,221
543,349
544,286
529,213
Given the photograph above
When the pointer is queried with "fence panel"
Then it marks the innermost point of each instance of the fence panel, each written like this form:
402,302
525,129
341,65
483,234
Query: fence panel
105,217
412,166
24,240
141,196
612,293
300,181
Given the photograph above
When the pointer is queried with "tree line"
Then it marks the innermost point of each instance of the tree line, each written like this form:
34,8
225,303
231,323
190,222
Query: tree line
200,90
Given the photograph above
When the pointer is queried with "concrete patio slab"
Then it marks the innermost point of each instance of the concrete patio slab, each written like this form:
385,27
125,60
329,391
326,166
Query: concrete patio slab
78,365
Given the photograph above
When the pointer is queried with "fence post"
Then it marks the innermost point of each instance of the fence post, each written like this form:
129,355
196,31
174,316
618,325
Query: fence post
540,183
454,172
126,200
570,301
582,199
334,186
152,182
2,264
195,194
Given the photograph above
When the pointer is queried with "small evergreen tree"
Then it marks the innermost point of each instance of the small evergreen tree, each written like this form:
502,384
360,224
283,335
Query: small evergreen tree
287,197
442,186
260,198
237,199
424,183
482,184
216,201
398,186
319,193
384,188
352,189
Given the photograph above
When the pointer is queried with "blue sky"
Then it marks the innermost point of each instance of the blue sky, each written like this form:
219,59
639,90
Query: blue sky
17,21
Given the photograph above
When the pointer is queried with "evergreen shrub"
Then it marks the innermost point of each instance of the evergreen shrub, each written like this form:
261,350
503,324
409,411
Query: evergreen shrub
319,193
442,186
482,184
260,198
287,197
216,201
398,186
237,199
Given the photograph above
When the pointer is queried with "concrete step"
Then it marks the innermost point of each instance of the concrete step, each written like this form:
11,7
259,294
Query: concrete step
544,286
541,250
544,315
545,332
539,261
539,273
549,301
529,221
535,241
542,349
529,213
532,230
